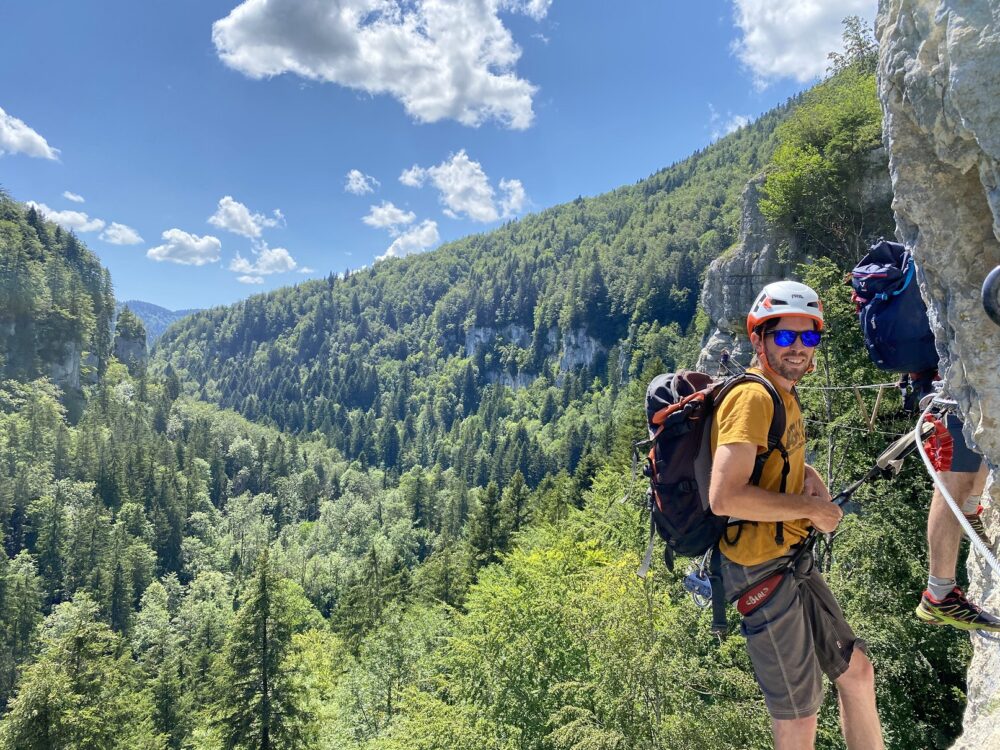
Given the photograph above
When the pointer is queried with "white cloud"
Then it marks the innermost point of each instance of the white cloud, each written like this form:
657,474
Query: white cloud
388,216
233,216
414,176
360,183
75,197
414,240
250,279
537,9
514,197
791,38
120,234
73,220
186,249
724,126
465,188
307,269
267,260
18,138
440,58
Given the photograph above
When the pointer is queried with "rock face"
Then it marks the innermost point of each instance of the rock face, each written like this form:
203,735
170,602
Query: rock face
939,81
734,279
762,255
131,351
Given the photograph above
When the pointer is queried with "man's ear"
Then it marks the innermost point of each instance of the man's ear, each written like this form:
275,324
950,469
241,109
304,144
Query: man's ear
756,341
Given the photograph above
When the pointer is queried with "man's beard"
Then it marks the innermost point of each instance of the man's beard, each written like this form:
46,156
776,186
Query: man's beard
788,371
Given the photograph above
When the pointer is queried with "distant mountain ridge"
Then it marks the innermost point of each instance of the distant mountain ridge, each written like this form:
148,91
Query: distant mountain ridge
156,319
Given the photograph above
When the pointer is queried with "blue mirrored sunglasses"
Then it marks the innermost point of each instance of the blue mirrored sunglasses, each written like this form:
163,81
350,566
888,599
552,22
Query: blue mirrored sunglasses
787,338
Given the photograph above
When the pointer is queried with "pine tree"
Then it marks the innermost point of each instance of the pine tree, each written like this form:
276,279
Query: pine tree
259,704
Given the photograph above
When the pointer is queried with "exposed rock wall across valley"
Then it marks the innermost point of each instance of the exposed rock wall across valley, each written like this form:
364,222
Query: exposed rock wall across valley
939,81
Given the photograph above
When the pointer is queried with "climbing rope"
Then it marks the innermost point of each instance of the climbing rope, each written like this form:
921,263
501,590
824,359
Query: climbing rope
974,539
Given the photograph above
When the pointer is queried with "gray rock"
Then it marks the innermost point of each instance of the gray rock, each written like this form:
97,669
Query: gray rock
735,278
939,81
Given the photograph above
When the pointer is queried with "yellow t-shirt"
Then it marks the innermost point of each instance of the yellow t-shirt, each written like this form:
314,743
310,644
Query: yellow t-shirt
744,416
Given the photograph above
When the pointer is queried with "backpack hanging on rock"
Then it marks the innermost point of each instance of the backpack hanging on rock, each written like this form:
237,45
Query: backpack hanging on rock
891,311
679,411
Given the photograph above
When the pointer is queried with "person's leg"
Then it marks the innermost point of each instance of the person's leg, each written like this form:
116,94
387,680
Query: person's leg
780,645
944,532
858,713
943,603
794,734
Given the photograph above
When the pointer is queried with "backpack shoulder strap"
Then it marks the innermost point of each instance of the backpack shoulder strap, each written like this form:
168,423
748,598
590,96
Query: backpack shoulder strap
775,433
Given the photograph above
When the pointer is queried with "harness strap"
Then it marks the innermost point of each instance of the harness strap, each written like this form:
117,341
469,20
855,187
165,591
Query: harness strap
720,626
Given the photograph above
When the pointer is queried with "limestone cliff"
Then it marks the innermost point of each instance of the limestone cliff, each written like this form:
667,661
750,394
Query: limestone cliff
939,82
764,254
734,279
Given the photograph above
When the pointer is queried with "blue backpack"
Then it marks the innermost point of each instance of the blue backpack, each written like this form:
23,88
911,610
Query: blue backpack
891,311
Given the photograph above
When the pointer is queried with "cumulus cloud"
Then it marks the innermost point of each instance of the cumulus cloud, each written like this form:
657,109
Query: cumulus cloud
722,126
307,269
18,138
186,249
250,279
266,261
388,216
791,38
120,234
440,58
514,197
360,183
76,221
414,176
233,216
75,197
414,240
465,189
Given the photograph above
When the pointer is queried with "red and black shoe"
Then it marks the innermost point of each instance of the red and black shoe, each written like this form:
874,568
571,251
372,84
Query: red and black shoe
957,611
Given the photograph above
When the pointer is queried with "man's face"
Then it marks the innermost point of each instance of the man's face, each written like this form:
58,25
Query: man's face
790,362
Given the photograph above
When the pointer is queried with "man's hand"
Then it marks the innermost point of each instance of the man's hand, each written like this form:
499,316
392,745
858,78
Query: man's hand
814,486
826,515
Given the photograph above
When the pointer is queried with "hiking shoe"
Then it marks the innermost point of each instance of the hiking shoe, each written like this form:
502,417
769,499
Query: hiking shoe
957,611
977,525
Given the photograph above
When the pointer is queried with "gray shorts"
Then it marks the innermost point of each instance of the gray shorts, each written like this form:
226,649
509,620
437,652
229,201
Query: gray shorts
796,637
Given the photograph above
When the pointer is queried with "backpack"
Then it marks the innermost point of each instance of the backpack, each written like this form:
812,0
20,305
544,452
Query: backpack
891,311
679,410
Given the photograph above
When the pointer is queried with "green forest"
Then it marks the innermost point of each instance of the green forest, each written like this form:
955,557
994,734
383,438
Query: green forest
386,510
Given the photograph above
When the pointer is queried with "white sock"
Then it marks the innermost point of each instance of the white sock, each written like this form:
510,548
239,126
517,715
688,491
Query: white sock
939,588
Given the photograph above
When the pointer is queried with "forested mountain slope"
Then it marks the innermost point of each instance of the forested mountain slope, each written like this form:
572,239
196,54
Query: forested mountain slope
434,560
576,292
156,319
55,300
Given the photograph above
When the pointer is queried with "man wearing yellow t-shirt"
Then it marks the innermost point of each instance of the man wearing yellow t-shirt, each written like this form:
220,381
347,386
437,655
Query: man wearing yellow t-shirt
800,632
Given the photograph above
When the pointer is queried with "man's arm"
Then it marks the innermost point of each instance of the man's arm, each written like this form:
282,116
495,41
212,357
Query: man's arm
731,493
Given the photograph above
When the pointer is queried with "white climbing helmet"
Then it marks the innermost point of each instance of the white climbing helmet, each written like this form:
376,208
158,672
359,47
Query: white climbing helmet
785,299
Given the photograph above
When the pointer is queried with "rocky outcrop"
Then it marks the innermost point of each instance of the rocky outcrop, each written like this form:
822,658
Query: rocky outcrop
479,336
733,280
64,369
575,349
579,349
939,81
764,254
131,351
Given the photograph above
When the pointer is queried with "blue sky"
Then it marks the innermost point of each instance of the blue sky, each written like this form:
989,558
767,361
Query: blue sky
210,150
